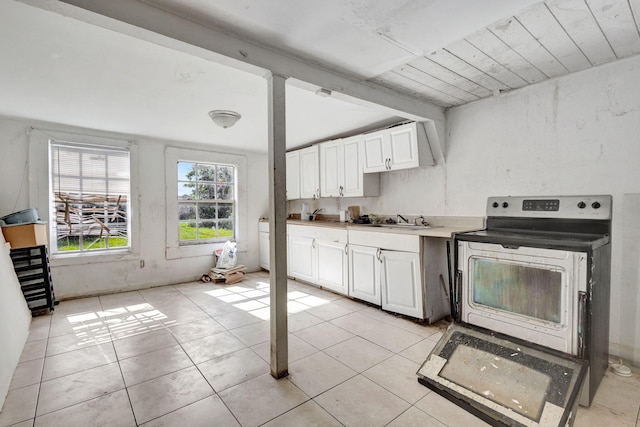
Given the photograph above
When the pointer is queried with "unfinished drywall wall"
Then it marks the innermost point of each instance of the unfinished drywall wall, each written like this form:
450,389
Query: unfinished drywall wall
15,319
94,275
573,135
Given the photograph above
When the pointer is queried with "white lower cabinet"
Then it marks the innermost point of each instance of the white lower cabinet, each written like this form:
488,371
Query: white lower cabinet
364,273
263,246
332,265
401,283
385,270
302,258
318,255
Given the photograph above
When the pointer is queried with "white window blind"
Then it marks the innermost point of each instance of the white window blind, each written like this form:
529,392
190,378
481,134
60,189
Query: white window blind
90,200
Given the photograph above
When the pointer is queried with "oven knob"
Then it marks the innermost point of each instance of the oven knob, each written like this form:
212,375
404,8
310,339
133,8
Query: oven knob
582,205
595,205
495,204
505,205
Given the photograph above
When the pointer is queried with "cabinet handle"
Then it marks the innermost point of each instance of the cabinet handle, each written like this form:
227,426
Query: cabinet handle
379,255
313,244
317,193
346,249
341,191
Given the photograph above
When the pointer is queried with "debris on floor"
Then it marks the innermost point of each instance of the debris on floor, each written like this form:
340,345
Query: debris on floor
225,275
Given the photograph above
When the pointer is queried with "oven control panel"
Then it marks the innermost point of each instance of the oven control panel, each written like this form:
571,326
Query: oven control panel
579,207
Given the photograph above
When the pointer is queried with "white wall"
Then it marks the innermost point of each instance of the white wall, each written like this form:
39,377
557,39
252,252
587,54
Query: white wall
573,135
419,191
94,276
15,319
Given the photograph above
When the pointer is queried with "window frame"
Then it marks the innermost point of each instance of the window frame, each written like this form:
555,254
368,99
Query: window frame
174,250
40,192
71,146
197,201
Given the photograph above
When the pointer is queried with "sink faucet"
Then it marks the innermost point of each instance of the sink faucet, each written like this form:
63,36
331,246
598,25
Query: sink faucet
420,221
400,217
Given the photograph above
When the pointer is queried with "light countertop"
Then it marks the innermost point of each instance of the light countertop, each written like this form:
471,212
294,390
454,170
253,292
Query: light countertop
443,227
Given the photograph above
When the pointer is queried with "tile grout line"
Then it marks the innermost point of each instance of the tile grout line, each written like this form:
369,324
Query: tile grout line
44,361
124,383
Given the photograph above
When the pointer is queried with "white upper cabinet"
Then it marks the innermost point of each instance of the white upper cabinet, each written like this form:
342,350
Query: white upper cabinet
331,168
309,173
399,147
293,175
375,155
352,172
341,170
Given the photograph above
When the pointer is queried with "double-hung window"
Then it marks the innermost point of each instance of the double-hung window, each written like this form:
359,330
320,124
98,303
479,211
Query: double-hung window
206,202
90,197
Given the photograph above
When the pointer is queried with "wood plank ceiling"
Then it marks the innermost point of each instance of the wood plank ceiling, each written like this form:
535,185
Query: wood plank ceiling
544,41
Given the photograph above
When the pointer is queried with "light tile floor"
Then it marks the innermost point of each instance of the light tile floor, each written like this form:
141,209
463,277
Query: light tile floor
198,355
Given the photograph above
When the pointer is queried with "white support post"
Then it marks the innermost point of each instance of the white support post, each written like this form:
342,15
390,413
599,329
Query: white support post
278,225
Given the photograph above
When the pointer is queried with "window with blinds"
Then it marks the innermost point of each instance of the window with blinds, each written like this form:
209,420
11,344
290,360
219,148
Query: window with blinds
90,197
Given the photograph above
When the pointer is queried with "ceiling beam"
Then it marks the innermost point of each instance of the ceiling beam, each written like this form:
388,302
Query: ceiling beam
146,22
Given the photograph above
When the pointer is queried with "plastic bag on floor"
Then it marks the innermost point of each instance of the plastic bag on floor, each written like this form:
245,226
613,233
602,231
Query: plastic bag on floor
227,258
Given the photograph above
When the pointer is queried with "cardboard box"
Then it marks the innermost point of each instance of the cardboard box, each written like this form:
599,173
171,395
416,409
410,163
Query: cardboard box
25,235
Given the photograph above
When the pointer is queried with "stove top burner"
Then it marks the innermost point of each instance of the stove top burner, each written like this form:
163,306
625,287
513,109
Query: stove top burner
537,238
563,222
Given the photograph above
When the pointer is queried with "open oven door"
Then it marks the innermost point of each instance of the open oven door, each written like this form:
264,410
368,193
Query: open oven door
502,380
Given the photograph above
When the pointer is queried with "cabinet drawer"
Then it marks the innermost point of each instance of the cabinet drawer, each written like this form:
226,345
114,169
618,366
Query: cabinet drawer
390,241
319,233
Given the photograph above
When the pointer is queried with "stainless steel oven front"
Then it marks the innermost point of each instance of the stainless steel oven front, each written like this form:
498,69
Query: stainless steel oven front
530,303
534,294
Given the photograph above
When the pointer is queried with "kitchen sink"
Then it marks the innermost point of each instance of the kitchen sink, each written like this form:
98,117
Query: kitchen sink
404,226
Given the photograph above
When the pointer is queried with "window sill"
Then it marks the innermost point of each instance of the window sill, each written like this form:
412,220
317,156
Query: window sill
60,259
186,251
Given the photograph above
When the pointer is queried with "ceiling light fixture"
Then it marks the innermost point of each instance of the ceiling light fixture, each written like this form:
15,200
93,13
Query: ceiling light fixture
224,118
323,92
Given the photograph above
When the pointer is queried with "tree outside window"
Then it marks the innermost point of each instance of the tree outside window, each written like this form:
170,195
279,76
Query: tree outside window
206,202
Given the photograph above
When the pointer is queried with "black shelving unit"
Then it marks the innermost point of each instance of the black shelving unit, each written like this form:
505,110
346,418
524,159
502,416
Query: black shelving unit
32,268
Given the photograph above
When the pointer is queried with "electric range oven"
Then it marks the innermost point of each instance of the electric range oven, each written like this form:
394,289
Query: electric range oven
531,309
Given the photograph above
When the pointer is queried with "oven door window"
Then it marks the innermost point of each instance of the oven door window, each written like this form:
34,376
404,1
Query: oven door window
524,290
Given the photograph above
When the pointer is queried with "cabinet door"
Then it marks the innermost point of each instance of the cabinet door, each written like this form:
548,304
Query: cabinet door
364,273
352,168
332,266
403,143
302,259
401,283
375,157
293,175
331,166
309,173
263,244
